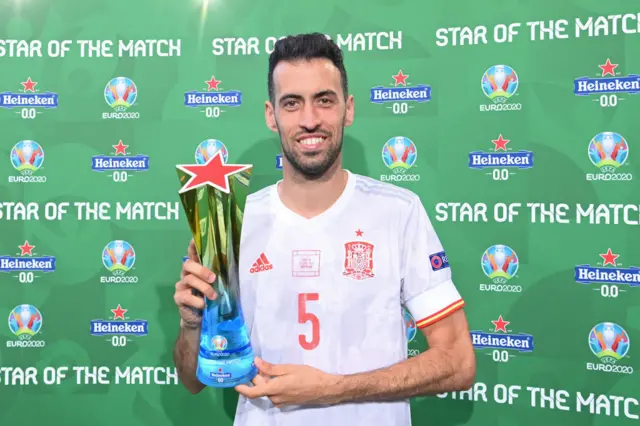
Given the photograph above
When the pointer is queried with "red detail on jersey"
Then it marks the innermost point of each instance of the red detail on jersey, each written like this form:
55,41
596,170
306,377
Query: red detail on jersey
261,264
305,317
358,260
442,313
305,263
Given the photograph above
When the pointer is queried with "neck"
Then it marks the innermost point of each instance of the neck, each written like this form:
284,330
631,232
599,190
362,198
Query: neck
309,198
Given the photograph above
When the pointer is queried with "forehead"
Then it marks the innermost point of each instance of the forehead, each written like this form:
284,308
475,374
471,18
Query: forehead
305,77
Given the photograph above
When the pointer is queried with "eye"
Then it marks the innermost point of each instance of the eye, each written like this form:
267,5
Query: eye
325,101
290,104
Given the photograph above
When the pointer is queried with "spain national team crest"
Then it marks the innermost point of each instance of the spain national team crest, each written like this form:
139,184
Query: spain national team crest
358,259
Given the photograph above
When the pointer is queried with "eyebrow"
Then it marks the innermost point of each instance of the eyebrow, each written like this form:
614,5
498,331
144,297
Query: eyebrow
320,94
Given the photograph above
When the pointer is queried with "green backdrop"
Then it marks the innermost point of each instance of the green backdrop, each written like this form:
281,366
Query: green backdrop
132,381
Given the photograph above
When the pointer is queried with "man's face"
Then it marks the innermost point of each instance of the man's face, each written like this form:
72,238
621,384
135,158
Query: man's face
309,113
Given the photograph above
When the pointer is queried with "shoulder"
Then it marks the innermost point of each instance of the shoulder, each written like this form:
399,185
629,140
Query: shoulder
261,197
385,194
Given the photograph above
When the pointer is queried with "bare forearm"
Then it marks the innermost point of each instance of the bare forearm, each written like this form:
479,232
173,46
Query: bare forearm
432,372
185,356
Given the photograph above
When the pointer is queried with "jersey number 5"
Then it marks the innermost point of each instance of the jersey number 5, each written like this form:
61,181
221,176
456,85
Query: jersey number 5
304,317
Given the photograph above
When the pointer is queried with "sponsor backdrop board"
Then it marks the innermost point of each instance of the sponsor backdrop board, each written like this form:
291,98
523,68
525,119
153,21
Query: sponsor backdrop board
516,123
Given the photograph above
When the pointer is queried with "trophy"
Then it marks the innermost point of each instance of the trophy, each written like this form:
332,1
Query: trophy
213,196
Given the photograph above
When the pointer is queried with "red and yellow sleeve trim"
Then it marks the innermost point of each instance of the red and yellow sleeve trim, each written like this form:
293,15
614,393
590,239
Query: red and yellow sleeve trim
442,313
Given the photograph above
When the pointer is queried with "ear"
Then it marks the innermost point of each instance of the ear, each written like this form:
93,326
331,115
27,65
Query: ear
270,116
349,113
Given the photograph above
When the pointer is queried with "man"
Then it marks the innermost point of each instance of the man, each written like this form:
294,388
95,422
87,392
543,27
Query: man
347,252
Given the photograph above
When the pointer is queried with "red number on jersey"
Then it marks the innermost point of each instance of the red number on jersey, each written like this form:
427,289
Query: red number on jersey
304,317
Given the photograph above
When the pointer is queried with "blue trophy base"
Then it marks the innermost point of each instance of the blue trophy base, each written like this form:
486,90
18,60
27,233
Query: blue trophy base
218,374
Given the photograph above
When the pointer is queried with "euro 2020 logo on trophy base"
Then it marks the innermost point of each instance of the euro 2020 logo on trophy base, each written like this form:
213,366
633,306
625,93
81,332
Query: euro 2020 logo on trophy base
213,196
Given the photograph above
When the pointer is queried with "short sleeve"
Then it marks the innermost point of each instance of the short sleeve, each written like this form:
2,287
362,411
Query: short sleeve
428,291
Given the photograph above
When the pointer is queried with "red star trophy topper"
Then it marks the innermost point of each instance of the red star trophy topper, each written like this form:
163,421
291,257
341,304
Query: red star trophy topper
213,196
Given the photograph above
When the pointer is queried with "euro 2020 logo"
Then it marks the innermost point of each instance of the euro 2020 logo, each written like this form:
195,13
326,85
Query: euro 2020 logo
610,343
399,154
208,149
25,322
500,84
121,93
500,263
609,151
27,158
119,257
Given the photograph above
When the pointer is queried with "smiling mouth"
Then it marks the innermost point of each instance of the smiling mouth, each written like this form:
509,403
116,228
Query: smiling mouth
312,142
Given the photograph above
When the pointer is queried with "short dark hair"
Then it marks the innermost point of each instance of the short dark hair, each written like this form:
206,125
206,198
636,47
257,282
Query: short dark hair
306,47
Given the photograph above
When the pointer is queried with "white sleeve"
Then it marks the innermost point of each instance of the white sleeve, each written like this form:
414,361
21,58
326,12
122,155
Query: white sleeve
428,292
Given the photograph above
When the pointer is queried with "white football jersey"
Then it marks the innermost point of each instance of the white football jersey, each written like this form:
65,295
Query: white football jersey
329,291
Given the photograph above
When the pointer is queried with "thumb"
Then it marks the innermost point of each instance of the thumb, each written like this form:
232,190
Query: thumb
193,252
269,369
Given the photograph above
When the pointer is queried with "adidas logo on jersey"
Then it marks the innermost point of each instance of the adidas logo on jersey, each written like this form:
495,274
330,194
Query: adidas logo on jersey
260,265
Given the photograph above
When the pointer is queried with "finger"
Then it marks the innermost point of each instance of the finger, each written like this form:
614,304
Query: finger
252,392
269,369
185,298
192,252
194,268
191,281
277,401
259,380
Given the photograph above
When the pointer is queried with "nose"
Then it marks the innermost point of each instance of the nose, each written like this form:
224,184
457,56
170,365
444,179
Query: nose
309,117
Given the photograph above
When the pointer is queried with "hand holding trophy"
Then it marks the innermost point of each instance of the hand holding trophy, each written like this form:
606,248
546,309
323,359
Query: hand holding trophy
213,196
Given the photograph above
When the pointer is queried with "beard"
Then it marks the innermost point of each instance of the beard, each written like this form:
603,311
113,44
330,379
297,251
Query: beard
313,170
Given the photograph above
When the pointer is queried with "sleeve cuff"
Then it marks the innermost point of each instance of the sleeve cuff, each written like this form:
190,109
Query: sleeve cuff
435,304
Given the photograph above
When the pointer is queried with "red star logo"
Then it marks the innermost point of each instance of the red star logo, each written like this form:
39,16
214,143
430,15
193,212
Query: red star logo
609,258
26,249
400,78
213,83
607,68
119,312
121,148
501,325
500,143
359,233
215,173
29,85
